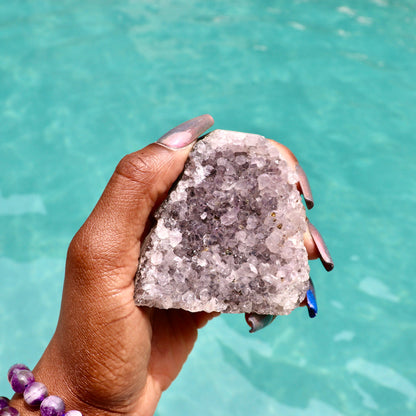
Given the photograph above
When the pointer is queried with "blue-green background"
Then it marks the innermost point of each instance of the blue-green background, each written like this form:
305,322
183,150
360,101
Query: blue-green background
82,83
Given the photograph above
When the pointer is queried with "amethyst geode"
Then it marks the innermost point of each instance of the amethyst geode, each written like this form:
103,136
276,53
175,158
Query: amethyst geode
229,237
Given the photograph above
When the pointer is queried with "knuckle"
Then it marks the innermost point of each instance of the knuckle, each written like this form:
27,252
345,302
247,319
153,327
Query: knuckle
137,167
79,250
85,251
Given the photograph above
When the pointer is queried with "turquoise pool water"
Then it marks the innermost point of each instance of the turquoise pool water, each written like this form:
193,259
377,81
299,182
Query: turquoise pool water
83,83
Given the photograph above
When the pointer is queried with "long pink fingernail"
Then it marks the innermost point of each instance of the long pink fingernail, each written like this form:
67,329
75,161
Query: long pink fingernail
323,251
305,187
186,133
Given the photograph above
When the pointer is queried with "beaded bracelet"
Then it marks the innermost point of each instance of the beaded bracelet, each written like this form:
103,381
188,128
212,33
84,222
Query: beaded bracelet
34,393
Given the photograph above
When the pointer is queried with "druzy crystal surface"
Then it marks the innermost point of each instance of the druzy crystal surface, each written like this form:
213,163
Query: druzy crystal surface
229,237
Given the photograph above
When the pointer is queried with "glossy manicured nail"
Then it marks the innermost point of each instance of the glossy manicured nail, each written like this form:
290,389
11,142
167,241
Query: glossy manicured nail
311,303
305,188
323,251
186,133
256,321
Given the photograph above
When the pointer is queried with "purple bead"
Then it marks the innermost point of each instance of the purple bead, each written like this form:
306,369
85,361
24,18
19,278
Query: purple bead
9,411
4,402
21,379
73,413
35,393
14,368
52,406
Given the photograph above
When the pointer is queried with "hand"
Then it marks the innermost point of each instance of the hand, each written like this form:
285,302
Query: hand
108,356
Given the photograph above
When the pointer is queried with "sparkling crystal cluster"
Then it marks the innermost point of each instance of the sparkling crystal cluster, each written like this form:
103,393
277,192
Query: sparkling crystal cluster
229,237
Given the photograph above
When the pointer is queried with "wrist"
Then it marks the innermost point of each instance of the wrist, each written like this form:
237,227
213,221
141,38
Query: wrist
50,373
59,381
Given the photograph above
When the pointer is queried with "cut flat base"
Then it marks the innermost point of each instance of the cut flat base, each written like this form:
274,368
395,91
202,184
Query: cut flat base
229,237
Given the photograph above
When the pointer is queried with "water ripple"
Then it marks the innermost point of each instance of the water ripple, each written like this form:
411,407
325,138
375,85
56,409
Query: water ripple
383,375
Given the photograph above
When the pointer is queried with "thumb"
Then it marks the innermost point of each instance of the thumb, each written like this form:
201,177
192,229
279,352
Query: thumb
109,241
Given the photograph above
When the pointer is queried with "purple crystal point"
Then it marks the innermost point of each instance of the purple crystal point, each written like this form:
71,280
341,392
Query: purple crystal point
14,368
52,406
73,413
35,393
21,379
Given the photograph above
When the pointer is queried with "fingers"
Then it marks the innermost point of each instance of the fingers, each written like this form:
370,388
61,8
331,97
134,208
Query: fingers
303,184
313,241
320,247
110,238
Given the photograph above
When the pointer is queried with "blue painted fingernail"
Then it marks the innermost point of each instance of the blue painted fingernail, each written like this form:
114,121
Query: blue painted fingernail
311,303
186,133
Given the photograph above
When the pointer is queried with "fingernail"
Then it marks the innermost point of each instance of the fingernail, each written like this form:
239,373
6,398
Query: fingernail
323,251
311,303
305,188
256,321
186,133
